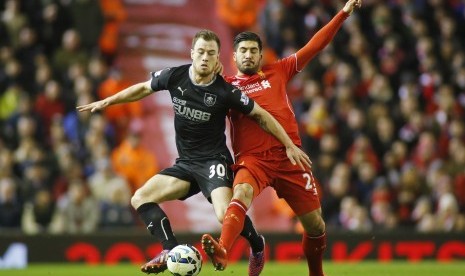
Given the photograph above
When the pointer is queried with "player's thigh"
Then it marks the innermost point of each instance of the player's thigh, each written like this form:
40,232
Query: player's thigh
212,174
245,187
257,172
214,178
220,198
299,191
161,188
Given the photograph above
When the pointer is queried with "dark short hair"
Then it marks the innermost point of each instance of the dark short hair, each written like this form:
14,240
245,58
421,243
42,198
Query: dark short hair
247,36
207,35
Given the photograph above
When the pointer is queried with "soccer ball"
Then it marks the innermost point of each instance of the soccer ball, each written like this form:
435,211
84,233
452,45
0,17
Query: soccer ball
184,260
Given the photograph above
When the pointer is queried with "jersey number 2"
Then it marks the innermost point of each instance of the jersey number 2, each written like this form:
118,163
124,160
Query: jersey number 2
310,186
217,169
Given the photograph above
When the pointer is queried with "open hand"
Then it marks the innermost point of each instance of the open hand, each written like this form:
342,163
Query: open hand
298,157
93,107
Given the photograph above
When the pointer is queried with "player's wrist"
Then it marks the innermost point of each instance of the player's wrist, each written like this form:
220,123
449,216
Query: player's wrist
347,10
289,146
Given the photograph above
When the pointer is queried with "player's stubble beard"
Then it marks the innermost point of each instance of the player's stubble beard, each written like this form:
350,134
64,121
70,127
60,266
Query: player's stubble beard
247,69
206,73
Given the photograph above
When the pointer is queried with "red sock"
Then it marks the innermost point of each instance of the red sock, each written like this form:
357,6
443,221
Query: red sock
233,223
313,250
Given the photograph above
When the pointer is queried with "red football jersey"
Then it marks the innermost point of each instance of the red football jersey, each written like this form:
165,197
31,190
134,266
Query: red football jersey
268,89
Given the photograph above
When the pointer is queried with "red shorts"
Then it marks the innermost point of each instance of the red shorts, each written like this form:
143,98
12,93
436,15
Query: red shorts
273,168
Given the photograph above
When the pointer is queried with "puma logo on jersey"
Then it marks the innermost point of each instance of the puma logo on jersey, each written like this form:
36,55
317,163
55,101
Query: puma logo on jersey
182,91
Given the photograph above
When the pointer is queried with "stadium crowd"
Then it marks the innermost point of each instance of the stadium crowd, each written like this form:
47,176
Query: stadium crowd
381,112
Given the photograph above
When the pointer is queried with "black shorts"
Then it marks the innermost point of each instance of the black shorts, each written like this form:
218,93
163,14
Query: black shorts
204,175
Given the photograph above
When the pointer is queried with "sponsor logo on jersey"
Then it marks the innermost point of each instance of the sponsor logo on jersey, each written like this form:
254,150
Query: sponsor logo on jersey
254,87
180,109
209,99
179,101
192,114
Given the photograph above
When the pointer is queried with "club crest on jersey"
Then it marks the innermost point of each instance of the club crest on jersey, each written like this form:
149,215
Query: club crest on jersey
209,99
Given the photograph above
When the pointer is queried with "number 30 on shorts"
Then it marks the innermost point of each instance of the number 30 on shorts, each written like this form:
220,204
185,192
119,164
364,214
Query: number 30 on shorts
310,186
218,169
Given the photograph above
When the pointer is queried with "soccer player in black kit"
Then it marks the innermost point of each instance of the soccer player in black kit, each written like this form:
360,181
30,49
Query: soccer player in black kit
201,101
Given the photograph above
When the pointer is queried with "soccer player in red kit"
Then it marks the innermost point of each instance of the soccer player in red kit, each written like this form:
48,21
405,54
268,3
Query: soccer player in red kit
260,159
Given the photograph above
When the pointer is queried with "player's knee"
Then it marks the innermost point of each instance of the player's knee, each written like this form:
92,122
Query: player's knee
136,200
140,198
243,192
313,224
320,226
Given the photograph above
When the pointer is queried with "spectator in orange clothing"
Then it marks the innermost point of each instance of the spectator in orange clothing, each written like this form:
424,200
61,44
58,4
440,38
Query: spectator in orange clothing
239,15
134,162
114,14
118,115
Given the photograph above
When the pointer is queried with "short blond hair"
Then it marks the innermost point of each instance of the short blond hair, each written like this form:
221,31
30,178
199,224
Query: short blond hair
207,35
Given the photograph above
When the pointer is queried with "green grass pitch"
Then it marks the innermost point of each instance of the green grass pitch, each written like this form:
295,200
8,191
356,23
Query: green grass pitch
271,269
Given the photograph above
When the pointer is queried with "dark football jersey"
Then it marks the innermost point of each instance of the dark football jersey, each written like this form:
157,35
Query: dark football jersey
200,111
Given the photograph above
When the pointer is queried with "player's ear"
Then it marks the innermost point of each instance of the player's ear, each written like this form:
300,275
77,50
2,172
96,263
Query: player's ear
234,56
192,54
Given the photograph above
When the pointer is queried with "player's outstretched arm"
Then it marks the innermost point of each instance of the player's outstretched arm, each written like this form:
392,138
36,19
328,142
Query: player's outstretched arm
325,35
130,94
272,126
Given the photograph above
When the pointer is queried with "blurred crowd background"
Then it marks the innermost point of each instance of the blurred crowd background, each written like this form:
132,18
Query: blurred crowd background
381,111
